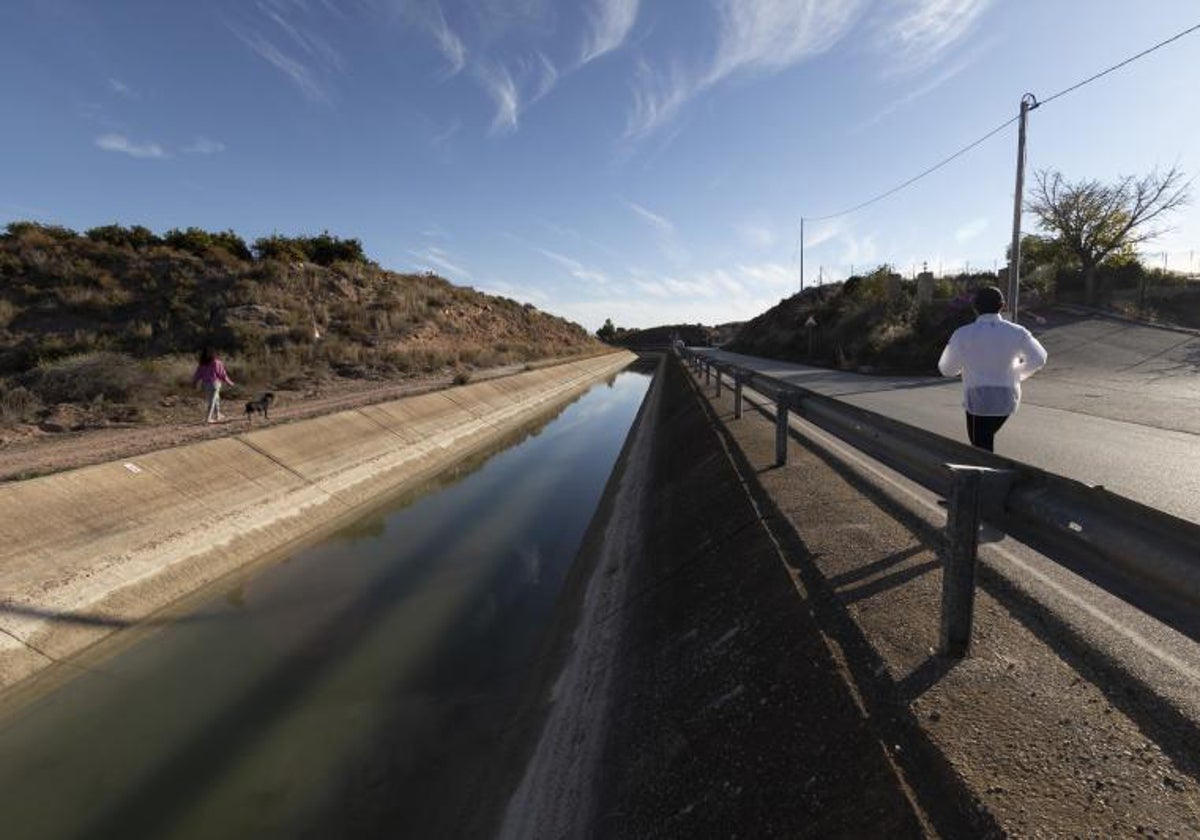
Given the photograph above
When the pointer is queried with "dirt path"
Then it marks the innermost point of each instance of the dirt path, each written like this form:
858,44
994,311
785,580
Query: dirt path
28,451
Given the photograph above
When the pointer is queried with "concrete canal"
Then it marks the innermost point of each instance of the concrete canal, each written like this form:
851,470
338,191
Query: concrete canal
379,684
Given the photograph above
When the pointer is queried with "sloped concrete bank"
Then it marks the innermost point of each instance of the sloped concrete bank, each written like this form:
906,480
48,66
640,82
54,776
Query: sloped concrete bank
94,550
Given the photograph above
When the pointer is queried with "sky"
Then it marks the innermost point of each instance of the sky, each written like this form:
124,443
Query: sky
647,161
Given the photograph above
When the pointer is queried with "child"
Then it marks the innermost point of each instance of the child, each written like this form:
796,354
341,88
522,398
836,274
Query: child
209,375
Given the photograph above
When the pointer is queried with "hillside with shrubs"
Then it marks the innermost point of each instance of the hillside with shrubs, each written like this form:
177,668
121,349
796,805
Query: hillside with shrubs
871,323
876,322
110,320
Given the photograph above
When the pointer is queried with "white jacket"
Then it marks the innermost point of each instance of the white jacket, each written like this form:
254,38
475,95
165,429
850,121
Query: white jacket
993,356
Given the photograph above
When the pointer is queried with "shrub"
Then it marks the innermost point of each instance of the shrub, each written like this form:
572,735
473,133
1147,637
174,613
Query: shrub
17,404
136,237
324,250
199,242
113,377
37,230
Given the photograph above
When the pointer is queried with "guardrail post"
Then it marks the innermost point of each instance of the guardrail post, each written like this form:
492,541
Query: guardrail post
737,396
718,382
958,569
707,372
782,401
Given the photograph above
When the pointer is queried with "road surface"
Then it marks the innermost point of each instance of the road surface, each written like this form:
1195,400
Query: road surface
1118,405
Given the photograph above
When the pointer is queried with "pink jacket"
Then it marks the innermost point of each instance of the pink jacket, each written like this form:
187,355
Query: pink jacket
211,373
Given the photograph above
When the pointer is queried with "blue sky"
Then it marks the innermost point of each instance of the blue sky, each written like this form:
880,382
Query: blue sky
639,160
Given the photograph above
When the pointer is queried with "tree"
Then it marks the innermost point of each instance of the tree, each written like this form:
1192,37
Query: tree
1091,220
607,332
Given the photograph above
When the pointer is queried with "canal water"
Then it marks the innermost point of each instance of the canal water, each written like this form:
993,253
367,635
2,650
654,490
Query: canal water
370,686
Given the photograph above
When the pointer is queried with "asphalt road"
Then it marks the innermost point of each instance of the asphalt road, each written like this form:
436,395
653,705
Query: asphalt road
1117,405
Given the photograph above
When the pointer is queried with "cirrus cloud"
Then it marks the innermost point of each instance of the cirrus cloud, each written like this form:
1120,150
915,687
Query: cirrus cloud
121,143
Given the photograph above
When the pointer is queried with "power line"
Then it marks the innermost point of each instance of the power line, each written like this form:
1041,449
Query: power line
1129,60
917,177
1000,128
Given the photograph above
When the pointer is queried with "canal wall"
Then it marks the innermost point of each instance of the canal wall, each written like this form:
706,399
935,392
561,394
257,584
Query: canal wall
94,550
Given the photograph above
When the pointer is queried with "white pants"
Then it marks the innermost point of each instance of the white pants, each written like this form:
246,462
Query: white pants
213,389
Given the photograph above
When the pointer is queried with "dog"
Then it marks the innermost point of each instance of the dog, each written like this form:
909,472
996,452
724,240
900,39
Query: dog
262,405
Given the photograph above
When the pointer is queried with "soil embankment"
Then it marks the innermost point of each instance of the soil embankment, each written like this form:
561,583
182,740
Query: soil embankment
701,698
755,657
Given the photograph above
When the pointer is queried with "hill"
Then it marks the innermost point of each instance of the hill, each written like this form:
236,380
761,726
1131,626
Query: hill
110,321
878,322
693,335
870,322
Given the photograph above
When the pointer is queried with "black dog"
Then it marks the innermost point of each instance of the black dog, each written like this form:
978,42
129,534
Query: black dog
261,405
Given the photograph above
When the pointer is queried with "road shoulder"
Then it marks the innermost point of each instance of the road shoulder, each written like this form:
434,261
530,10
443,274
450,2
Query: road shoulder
1036,739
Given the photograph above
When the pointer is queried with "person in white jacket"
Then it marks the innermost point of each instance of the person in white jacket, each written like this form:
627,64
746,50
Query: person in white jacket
993,356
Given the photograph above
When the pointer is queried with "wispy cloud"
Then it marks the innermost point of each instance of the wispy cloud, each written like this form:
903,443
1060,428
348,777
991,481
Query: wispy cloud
575,268
121,89
644,298
121,143
308,43
545,75
514,87
441,139
762,36
668,236
659,94
773,34
756,235
204,146
288,35
498,82
924,89
818,234
971,229
924,30
611,22
442,259
448,42
660,223
302,75
860,252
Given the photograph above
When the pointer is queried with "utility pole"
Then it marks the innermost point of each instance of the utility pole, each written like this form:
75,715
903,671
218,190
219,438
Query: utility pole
802,253
1028,103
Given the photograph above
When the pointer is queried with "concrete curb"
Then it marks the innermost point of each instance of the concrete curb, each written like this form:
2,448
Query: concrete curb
90,551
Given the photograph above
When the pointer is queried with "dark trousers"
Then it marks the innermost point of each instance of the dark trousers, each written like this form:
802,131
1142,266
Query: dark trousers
981,429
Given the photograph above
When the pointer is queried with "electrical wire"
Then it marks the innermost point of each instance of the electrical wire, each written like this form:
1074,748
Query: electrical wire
1129,60
998,129
917,177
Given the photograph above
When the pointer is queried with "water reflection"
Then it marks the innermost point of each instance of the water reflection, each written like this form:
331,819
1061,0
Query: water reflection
365,687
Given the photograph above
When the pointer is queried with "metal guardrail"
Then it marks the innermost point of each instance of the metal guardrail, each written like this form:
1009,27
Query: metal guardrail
1141,555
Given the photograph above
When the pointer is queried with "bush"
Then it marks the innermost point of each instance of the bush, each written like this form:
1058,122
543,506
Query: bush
324,250
17,404
199,242
112,377
135,237
22,230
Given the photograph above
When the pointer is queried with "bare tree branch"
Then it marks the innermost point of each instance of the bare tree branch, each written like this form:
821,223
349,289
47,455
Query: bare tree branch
1092,220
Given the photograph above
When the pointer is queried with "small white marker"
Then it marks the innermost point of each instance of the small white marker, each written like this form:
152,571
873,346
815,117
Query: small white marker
133,468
